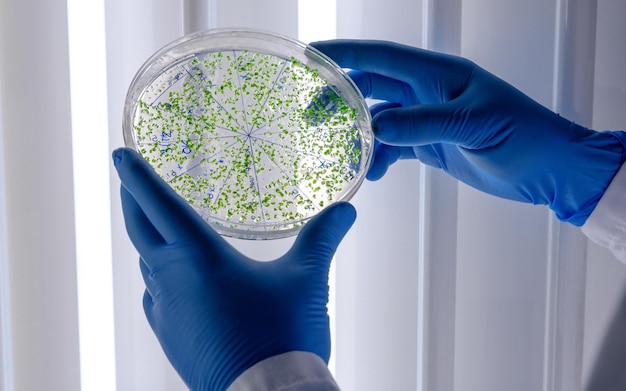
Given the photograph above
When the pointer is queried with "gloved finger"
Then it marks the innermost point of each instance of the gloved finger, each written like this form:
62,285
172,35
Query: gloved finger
428,155
319,238
146,274
169,213
148,308
384,156
381,87
430,74
425,124
378,107
140,230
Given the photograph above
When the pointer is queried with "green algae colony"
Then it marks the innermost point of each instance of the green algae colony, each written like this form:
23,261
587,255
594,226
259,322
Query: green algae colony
252,141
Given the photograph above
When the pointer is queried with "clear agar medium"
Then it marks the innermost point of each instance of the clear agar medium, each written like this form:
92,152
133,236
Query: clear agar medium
257,132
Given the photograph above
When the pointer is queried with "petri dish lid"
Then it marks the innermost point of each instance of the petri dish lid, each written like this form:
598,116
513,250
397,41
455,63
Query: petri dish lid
258,132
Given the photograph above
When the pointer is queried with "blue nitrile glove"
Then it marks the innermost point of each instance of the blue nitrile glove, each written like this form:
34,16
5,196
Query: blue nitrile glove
214,311
456,116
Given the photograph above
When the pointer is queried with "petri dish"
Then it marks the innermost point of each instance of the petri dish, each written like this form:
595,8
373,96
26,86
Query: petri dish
258,132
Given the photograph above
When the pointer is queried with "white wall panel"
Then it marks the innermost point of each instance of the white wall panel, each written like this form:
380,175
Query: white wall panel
37,154
610,82
279,16
376,286
395,20
437,274
606,276
6,349
135,29
377,264
503,248
514,40
501,279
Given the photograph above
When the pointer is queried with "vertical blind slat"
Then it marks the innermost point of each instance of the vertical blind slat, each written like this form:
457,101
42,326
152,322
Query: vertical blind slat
6,349
441,31
377,263
575,28
134,30
37,153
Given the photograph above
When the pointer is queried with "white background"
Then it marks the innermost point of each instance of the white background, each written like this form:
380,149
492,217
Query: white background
438,287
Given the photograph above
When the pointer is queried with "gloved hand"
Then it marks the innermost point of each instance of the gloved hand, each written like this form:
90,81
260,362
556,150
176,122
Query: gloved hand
214,311
456,116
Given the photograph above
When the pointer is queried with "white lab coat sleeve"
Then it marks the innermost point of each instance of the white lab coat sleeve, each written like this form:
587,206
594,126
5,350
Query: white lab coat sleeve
291,371
607,223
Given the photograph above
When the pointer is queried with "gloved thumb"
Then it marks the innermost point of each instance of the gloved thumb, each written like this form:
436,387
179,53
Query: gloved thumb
419,125
320,237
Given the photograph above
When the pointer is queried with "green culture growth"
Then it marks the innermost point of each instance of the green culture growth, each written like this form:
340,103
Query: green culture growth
251,140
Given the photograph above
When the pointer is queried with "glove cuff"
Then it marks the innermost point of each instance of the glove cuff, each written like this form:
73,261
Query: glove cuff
597,158
296,370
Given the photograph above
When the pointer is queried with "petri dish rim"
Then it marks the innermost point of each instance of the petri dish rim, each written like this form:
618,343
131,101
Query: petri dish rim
189,47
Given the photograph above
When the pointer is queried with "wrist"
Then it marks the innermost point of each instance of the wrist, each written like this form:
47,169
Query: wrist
593,162
295,370
606,226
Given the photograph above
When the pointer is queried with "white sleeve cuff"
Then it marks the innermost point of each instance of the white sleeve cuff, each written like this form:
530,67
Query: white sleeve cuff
291,371
607,223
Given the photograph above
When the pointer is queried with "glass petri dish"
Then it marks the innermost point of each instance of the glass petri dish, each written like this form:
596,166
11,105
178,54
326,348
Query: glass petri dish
258,132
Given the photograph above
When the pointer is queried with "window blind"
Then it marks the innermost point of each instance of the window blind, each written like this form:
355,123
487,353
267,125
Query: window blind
460,291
